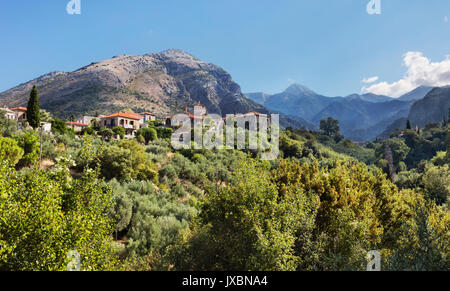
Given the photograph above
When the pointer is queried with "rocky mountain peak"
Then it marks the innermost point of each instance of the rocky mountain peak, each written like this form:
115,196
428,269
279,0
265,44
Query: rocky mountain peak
298,89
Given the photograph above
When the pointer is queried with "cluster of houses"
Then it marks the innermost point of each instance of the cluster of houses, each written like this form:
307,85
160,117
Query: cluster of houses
130,121
19,114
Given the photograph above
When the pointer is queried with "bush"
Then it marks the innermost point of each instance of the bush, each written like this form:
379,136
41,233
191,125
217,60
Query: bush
48,150
307,217
436,182
164,132
148,133
59,127
126,161
120,131
10,151
29,142
8,128
88,131
41,221
106,133
154,219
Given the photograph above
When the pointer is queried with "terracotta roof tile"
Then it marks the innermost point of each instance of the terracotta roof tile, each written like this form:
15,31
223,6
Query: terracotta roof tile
76,124
19,108
129,115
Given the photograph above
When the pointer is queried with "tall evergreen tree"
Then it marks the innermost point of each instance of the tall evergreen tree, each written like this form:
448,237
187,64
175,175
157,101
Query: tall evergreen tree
408,125
34,109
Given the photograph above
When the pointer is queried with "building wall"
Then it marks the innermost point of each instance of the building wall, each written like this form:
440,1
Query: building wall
20,115
120,121
86,119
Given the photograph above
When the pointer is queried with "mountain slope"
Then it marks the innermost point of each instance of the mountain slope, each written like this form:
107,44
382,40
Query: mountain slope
258,97
369,97
299,101
361,120
433,108
416,94
162,83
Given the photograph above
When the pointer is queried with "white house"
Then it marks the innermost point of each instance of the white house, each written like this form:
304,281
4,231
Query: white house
9,114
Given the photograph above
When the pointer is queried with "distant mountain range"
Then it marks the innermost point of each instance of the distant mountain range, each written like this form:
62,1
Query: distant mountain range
362,117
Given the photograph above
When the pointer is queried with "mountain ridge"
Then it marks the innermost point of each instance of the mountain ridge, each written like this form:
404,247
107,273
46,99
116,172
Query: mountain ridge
159,82
362,117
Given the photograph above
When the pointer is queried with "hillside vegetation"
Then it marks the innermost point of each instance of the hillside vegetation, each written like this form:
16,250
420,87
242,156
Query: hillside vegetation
140,205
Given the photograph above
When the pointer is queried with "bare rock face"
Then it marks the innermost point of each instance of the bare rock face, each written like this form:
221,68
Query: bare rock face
162,83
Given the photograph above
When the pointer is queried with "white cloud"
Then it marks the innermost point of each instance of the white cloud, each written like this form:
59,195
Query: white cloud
420,72
446,19
370,80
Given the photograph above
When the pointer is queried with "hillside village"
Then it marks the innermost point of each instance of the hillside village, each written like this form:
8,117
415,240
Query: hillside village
131,122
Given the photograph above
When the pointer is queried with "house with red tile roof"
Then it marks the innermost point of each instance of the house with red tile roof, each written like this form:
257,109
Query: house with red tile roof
130,121
21,113
77,126
146,117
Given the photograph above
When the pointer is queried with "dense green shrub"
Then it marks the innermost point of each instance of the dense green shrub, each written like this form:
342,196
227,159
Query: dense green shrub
39,228
29,142
120,131
148,133
127,160
164,132
10,151
150,218
303,217
106,133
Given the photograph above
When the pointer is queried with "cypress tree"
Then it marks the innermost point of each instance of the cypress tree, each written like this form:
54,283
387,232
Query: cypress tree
34,109
408,125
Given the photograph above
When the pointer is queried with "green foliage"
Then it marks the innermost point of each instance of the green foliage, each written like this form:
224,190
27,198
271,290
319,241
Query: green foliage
120,131
148,133
106,133
316,208
59,126
33,109
330,127
41,221
8,128
424,242
10,151
88,130
296,217
29,142
398,148
164,132
150,218
45,116
363,154
140,139
127,160
436,183
48,147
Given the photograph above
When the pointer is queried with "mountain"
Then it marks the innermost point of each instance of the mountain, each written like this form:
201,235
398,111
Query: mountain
397,125
369,97
258,97
162,83
300,101
416,94
361,120
297,100
433,108
361,117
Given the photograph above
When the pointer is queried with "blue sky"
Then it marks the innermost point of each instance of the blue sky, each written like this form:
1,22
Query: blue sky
327,45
